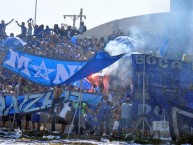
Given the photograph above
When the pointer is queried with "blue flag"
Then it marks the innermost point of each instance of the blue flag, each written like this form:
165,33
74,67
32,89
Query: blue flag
29,103
164,83
14,42
51,72
164,46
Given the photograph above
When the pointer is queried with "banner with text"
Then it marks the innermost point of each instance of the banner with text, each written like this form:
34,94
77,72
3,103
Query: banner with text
162,83
29,103
51,72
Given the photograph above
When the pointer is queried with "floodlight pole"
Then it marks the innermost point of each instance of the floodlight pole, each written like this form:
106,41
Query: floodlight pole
75,17
35,11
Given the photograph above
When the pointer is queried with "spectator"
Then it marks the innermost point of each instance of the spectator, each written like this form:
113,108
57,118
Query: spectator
35,30
116,122
57,93
29,29
102,42
5,119
47,31
79,114
62,32
44,116
56,29
18,118
69,32
112,36
90,122
36,120
23,30
11,35
3,27
82,28
40,31
27,120
108,116
125,121
103,118
65,115
96,89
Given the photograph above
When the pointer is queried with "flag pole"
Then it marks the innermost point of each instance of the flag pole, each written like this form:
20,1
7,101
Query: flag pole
80,109
18,89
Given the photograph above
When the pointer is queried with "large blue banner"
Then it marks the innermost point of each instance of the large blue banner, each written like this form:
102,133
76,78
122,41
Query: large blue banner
11,103
163,83
29,103
51,72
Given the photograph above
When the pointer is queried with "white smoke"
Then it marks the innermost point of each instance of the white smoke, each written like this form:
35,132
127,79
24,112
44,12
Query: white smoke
122,68
150,33
121,45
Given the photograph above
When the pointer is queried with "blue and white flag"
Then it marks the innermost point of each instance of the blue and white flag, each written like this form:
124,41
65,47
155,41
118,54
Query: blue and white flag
29,103
14,42
51,72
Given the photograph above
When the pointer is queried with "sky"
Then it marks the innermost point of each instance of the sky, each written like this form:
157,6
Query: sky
50,12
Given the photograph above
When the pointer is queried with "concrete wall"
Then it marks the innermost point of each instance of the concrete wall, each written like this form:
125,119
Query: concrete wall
150,22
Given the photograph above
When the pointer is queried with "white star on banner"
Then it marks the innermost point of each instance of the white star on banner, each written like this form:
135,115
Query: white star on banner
42,71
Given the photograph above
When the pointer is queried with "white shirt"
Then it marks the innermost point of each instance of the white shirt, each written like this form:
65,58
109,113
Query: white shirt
64,111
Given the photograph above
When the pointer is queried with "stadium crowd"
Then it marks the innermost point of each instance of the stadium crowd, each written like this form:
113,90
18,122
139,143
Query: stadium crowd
61,43
58,42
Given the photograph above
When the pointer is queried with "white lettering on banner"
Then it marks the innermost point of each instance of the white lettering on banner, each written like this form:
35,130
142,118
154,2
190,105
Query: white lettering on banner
139,59
22,62
42,71
62,74
26,105
15,104
36,98
161,62
151,60
2,105
157,111
72,69
47,102
7,110
176,64
26,97
149,108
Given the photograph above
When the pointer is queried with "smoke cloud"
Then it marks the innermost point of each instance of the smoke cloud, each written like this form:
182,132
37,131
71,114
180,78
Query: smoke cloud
121,69
147,35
